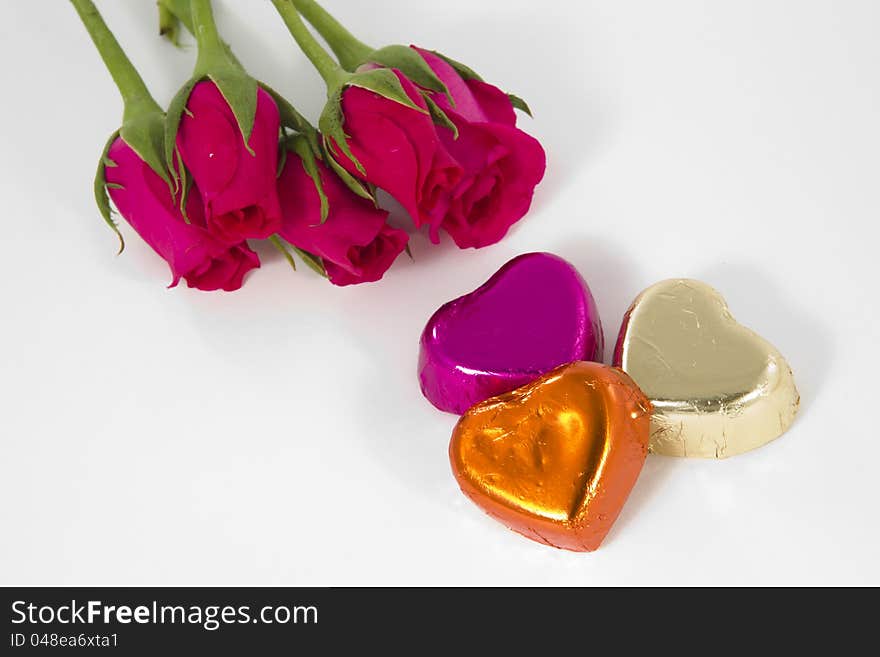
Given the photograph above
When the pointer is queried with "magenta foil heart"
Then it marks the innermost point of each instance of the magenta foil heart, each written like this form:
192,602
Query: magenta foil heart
534,314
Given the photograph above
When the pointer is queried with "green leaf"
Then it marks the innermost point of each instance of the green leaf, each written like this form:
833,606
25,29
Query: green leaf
101,197
411,64
519,104
279,244
144,132
312,261
440,117
383,82
172,124
465,72
300,146
240,91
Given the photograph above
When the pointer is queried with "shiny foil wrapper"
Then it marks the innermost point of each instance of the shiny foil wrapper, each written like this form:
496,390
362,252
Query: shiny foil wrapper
536,313
717,388
555,459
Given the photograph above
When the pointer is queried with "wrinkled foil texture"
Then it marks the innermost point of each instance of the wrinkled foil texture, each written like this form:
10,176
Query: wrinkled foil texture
718,389
555,459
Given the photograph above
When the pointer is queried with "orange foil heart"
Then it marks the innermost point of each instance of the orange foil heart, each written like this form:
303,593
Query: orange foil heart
555,459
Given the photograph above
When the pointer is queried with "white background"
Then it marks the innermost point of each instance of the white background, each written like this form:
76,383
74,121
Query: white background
277,435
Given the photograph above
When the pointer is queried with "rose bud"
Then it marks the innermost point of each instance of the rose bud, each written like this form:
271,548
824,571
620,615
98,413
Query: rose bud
476,124
354,242
378,128
225,128
502,163
301,137
192,252
236,181
133,171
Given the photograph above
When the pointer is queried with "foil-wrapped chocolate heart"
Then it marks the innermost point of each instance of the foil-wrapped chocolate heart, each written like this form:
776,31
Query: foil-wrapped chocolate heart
534,314
718,389
555,459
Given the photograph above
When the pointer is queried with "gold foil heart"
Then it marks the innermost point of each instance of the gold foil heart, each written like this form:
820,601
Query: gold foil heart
718,389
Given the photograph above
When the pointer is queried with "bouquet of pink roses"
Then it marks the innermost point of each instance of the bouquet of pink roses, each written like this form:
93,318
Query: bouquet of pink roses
231,161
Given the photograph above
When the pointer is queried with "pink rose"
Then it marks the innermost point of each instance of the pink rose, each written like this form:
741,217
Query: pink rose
237,187
502,164
145,201
355,242
400,151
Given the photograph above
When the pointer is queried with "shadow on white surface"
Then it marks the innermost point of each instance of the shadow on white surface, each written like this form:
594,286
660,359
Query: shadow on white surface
756,302
656,473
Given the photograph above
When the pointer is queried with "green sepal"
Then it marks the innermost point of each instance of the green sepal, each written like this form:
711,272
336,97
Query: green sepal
440,117
277,242
282,160
238,89
240,92
315,143
384,82
185,186
114,186
179,11
412,65
466,72
349,180
330,125
312,261
101,197
381,81
169,24
172,124
519,104
144,132
217,63
300,145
